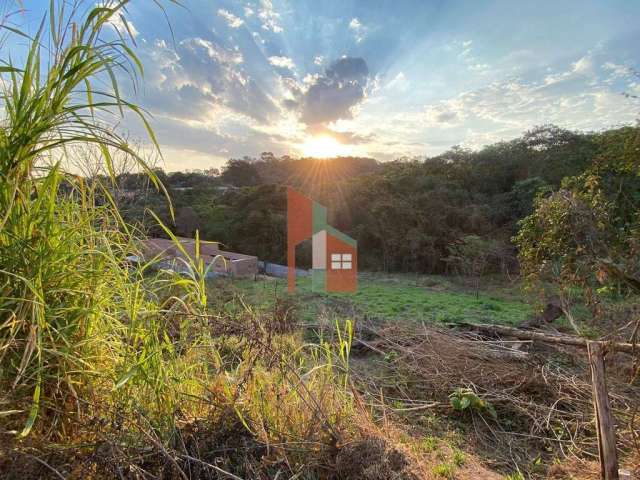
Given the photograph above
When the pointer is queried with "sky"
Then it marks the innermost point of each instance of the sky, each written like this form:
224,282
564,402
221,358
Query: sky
380,78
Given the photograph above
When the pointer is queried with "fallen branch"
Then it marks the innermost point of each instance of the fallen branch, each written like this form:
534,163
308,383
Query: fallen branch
546,337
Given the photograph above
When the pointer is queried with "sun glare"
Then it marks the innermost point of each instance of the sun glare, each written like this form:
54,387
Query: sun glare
324,146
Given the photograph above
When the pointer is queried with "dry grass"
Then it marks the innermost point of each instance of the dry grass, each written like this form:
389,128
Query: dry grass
541,395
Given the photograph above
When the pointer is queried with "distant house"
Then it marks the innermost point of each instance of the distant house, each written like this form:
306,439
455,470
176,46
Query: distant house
222,262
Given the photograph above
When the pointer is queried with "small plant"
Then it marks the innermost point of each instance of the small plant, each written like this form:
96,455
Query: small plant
514,476
390,356
445,470
428,420
429,444
465,399
459,458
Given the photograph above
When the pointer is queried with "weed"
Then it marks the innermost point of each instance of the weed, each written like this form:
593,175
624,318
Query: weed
390,356
71,314
514,476
459,458
465,399
445,470
429,444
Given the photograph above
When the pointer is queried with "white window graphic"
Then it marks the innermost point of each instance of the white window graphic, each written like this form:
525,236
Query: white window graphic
340,261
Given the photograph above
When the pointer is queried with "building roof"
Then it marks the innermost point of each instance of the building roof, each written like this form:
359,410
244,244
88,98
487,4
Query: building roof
167,248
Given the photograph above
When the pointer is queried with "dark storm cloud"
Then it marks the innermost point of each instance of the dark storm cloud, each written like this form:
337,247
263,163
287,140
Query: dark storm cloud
332,95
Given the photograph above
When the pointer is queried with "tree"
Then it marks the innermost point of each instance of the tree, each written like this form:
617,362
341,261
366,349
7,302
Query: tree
524,194
587,234
472,255
187,221
240,173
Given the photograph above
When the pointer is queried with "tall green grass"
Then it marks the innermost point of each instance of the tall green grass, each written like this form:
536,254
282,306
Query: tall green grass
94,351
72,317
81,332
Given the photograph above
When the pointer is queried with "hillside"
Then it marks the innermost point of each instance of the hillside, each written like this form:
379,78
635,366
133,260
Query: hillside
495,331
406,214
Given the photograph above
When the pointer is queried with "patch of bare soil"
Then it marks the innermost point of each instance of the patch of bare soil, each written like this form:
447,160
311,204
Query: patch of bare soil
373,459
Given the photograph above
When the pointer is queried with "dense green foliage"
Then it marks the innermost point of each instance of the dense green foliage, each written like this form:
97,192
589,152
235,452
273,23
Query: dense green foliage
587,233
407,215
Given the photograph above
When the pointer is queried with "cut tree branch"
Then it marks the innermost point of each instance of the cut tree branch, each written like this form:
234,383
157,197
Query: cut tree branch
546,337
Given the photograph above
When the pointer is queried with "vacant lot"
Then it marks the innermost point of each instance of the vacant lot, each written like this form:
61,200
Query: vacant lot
408,373
381,298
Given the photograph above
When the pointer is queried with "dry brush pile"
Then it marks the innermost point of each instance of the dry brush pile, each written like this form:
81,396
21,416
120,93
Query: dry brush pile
517,404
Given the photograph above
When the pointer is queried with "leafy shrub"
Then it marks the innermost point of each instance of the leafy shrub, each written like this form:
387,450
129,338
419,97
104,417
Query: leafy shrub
465,399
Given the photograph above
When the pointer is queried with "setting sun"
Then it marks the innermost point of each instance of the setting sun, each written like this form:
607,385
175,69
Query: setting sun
324,146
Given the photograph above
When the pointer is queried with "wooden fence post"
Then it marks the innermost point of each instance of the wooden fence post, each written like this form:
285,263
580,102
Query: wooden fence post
604,419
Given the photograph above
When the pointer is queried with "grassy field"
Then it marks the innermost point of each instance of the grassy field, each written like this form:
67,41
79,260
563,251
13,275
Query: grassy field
381,297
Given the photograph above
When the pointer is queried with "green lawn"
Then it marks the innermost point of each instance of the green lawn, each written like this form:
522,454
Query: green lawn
428,299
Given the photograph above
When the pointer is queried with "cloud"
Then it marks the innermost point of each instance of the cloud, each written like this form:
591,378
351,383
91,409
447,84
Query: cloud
506,108
233,138
466,55
318,60
498,110
282,62
446,113
399,83
479,67
310,79
200,51
122,25
355,24
230,18
344,137
269,17
258,38
248,11
200,78
333,95
185,145
466,49
358,29
617,71
581,67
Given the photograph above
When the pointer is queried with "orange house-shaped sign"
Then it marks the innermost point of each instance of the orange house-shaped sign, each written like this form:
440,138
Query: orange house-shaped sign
335,255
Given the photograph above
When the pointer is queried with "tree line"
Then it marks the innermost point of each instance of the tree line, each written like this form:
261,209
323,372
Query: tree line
428,215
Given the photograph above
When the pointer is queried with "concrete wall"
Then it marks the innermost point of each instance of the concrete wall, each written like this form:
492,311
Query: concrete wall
224,263
244,267
280,271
